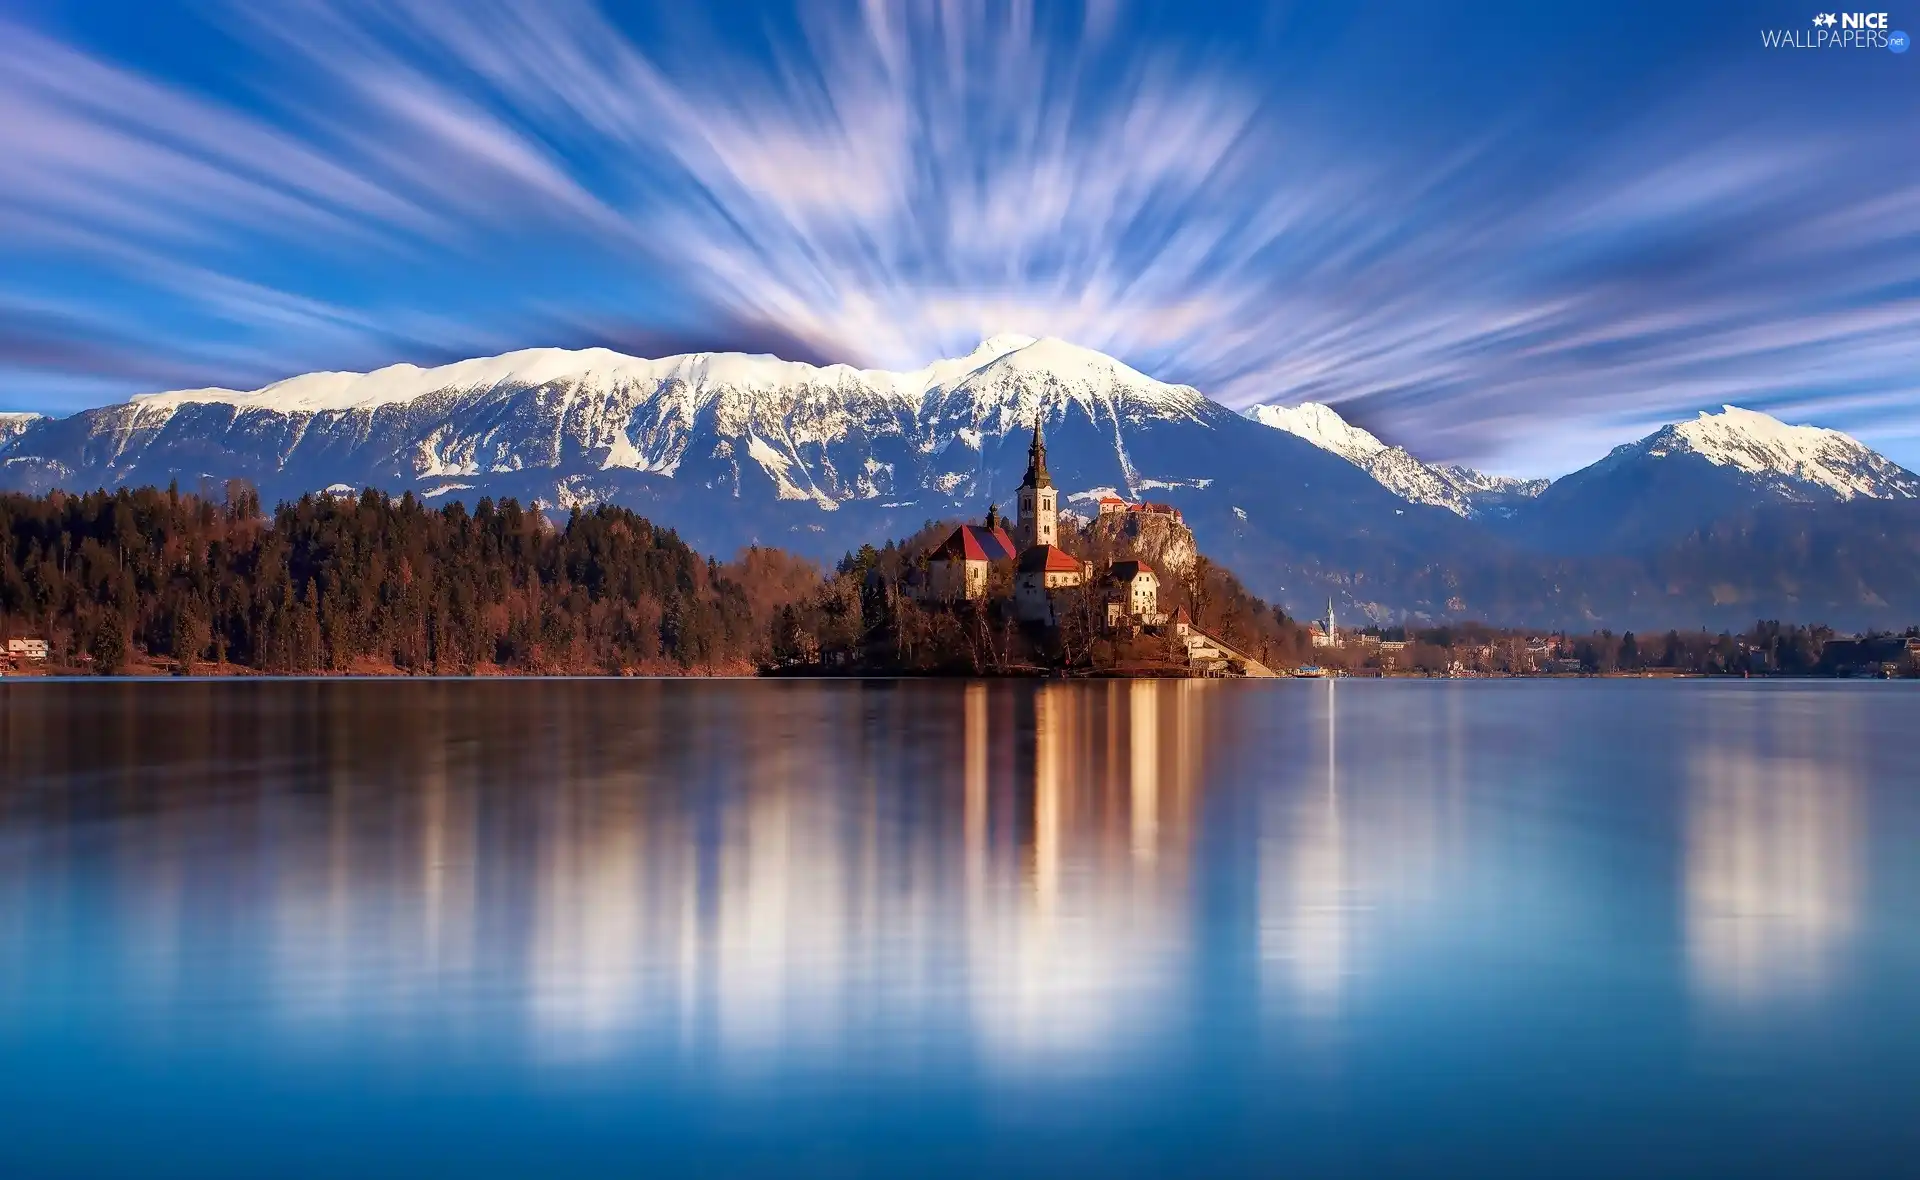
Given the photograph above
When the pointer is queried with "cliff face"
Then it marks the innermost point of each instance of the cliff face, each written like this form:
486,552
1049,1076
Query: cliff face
1156,538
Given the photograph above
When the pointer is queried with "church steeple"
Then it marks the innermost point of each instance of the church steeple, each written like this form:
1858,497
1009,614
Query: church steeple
1038,502
1037,459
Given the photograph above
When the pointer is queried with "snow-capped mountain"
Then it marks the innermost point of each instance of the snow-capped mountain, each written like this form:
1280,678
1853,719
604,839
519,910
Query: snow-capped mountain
1458,489
12,426
728,448
1806,463
732,449
572,425
1685,475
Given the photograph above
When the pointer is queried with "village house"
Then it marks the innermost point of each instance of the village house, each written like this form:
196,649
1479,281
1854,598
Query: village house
27,649
1133,594
1879,655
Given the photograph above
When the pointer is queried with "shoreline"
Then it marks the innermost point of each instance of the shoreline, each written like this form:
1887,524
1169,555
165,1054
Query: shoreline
231,673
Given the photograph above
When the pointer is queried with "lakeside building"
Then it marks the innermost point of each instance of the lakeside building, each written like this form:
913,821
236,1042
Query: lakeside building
1133,594
1876,655
30,648
960,568
1324,634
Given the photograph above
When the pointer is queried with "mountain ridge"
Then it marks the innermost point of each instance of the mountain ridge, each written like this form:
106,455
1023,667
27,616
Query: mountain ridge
1461,490
732,450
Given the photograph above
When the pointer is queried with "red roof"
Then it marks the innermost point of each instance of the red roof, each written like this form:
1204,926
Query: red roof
1105,500
970,542
1049,559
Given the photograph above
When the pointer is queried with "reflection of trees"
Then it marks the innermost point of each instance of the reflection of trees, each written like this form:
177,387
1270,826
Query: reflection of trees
730,870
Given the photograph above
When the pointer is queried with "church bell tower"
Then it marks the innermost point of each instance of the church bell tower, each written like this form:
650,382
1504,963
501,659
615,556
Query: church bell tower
1038,509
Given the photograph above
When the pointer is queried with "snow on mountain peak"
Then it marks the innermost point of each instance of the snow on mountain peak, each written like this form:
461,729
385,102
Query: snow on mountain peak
1000,344
1461,490
1762,445
13,425
1069,361
602,368
1320,425
1049,373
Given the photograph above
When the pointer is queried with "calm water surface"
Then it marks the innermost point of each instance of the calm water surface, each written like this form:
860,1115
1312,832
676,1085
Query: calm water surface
647,928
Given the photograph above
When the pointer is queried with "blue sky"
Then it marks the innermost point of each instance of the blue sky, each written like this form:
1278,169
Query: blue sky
1499,233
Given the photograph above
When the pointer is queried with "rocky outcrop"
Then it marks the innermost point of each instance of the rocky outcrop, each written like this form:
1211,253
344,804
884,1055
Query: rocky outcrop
1157,538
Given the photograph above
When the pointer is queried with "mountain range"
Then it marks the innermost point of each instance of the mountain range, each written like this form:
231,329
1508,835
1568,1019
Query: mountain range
1458,489
1713,522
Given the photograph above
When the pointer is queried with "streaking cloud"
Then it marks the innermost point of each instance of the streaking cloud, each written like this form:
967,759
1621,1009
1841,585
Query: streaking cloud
1503,276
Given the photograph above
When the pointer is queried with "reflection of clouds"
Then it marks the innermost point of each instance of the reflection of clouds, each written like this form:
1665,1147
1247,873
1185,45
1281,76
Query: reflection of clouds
1773,876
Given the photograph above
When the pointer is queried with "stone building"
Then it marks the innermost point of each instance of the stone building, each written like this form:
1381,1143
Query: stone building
1115,506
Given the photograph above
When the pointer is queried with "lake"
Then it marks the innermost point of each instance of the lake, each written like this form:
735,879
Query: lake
790,928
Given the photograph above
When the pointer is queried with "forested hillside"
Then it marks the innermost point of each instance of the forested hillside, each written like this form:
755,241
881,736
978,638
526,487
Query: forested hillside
376,584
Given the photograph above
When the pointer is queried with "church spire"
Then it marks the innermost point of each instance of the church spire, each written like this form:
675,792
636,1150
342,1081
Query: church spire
1039,519
1037,476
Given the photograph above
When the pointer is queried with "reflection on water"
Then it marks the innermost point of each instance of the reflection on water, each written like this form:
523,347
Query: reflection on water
1775,856
1099,918
1072,954
1308,898
653,863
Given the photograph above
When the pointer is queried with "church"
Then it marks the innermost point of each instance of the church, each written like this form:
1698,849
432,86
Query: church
957,567
1043,567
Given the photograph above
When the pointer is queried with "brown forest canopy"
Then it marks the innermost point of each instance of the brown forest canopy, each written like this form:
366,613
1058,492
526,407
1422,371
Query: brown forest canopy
379,584
335,583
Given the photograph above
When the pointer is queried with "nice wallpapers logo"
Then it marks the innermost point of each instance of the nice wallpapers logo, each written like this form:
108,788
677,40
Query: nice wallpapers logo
1839,30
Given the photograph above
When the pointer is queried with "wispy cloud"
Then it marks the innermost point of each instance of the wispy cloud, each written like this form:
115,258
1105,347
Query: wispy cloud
889,181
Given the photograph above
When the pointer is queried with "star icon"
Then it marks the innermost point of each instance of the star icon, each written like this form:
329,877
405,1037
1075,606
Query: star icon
1826,20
